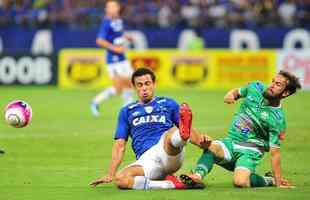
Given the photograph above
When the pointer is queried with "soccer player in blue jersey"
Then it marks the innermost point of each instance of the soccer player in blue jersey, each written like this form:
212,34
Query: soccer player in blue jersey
111,37
159,129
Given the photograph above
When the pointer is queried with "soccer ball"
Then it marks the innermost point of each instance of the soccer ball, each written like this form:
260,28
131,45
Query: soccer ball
18,113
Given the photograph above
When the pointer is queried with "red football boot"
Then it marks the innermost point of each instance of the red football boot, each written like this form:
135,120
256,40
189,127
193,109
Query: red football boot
176,182
185,122
192,181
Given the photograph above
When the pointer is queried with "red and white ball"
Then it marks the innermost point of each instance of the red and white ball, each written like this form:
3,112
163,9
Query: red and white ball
18,113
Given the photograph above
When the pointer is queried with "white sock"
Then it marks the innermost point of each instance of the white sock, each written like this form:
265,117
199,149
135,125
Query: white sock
142,183
127,96
176,139
104,95
164,184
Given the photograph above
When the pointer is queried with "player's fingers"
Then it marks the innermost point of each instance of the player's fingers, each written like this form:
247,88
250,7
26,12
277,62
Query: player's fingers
230,102
107,181
93,184
203,139
205,142
96,182
287,186
285,182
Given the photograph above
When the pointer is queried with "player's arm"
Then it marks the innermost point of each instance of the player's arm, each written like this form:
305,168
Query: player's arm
108,45
118,151
128,37
276,165
232,96
276,162
276,169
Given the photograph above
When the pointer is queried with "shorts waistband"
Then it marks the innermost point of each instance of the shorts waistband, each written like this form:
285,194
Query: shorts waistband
252,145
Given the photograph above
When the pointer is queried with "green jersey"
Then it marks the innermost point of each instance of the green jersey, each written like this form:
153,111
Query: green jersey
256,121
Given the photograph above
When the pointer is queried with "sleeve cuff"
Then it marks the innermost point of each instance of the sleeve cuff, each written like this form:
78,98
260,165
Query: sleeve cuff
274,146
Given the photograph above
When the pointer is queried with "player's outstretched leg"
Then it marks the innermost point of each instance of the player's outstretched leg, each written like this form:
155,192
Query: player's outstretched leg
94,108
203,167
127,96
133,178
176,138
102,96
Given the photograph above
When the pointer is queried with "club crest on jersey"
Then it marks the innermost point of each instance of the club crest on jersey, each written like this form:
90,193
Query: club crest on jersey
149,119
148,109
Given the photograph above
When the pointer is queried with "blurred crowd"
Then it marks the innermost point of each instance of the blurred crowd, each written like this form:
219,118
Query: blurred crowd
158,13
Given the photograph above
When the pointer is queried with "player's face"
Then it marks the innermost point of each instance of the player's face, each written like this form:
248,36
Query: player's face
276,90
112,9
145,88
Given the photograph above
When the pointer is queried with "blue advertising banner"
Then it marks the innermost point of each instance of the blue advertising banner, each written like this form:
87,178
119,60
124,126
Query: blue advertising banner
16,39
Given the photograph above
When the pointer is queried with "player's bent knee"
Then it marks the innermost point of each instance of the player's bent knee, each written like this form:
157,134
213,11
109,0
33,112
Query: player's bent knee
122,181
241,183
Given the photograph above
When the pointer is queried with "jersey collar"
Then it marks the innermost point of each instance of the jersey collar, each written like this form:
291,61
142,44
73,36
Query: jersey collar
266,103
144,104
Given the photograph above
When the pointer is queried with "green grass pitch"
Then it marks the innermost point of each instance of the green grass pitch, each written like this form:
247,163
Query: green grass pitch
65,148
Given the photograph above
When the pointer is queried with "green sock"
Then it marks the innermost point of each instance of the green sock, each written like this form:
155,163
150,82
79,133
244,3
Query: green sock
260,181
204,164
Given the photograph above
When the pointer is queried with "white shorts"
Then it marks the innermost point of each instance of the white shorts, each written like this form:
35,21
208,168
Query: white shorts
122,69
157,164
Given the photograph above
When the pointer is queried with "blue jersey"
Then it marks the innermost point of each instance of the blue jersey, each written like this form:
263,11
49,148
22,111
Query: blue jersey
146,123
112,31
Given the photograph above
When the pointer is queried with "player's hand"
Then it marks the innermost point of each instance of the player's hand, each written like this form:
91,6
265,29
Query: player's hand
118,49
285,184
106,179
229,99
129,38
205,142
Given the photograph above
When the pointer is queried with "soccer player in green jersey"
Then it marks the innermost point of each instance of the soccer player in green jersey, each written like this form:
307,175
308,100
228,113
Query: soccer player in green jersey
257,127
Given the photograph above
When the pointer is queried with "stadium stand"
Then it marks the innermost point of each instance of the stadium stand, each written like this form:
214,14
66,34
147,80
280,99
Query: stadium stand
158,13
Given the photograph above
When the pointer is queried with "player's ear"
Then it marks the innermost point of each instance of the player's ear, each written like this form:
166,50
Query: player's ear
285,93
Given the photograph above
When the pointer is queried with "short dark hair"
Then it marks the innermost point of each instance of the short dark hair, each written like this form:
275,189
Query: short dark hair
293,82
141,72
107,1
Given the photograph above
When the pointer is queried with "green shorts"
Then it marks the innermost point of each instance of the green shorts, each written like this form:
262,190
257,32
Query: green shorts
238,155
